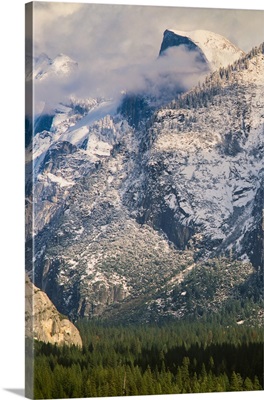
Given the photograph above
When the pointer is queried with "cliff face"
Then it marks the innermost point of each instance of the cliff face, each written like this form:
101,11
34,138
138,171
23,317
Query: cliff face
171,39
44,322
211,48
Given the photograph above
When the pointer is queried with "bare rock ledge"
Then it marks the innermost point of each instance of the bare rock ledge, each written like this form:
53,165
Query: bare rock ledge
44,323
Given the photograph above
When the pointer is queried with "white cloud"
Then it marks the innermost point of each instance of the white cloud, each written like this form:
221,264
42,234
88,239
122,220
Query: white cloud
116,46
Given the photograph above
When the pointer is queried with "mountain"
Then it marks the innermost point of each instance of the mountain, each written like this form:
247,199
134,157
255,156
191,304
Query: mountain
41,71
43,67
140,216
44,322
197,54
207,139
211,48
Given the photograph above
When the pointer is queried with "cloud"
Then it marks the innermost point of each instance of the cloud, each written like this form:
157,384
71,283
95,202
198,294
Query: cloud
134,29
47,15
117,46
179,69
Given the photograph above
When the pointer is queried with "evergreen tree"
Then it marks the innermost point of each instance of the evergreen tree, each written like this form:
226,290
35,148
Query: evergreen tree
236,383
248,385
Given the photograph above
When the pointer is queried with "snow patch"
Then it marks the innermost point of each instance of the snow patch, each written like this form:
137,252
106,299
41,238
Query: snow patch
218,50
98,147
59,180
171,201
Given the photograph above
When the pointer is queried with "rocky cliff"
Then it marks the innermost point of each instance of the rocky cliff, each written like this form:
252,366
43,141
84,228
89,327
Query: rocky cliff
44,322
210,48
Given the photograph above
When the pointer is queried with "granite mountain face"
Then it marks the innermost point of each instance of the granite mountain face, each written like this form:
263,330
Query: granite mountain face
210,48
44,323
140,208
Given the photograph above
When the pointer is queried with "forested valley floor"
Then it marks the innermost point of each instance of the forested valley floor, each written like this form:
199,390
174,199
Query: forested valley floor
175,357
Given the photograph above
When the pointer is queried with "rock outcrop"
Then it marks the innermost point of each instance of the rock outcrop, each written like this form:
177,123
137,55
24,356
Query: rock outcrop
44,322
211,48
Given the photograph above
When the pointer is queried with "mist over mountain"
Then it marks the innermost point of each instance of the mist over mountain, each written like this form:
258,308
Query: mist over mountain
185,62
148,193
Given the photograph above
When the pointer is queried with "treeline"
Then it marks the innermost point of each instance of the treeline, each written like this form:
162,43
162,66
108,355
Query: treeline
139,360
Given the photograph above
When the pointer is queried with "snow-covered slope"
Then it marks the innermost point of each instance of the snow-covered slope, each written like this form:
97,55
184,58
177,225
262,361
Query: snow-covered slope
61,66
122,211
73,146
203,171
216,49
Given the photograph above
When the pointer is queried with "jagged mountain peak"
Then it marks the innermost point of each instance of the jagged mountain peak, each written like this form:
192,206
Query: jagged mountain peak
216,50
60,66
64,62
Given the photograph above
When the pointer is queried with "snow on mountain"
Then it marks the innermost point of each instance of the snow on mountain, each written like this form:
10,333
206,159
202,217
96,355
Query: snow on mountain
77,133
211,138
217,50
69,126
61,66
121,210
75,143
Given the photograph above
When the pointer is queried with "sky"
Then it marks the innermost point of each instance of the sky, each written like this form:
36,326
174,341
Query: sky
116,46
83,30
